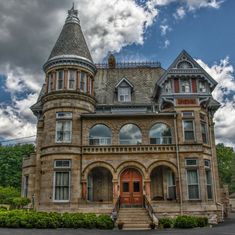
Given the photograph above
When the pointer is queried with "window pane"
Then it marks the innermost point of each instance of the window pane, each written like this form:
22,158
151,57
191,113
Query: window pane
193,192
62,186
63,130
160,134
136,186
125,187
192,177
124,94
100,135
60,79
130,134
188,130
72,79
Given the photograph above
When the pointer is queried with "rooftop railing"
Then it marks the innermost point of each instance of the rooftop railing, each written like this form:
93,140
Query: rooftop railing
145,64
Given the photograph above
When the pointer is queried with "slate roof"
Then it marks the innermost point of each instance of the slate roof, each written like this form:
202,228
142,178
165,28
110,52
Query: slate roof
71,40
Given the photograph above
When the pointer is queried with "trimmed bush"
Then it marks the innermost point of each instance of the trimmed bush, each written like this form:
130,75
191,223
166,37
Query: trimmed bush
186,221
31,219
20,202
166,222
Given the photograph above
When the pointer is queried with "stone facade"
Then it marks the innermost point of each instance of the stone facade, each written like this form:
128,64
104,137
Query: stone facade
156,123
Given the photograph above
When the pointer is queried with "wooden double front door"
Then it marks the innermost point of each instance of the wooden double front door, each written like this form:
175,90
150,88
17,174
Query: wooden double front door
131,192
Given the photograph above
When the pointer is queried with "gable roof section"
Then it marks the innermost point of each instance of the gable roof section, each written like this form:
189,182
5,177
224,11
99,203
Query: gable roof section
195,70
124,80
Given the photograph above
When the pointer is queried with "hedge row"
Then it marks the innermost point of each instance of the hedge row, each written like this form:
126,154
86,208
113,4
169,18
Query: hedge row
31,219
183,221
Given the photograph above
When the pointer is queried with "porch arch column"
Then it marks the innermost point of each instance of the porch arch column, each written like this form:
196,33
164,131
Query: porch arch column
147,188
84,190
115,190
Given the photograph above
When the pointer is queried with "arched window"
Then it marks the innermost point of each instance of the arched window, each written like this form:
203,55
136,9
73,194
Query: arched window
160,133
130,134
100,135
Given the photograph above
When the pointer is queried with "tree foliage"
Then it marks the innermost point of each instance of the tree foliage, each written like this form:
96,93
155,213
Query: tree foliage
11,158
225,157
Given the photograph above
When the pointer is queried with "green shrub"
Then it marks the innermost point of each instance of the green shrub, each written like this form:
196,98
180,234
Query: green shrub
20,202
202,221
166,222
7,194
104,222
185,221
32,219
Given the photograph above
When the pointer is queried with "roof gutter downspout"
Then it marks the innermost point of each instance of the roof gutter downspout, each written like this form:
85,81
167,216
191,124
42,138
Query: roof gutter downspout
178,163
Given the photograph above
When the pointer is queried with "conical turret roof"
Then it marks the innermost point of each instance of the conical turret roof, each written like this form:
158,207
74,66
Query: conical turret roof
71,41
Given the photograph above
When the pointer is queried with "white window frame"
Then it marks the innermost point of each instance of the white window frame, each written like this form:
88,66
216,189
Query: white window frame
62,167
194,137
66,117
181,83
206,134
199,86
198,184
126,96
168,86
57,80
83,80
75,79
54,180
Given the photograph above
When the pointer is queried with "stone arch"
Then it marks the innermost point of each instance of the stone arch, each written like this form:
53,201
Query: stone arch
131,164
98,164
162,163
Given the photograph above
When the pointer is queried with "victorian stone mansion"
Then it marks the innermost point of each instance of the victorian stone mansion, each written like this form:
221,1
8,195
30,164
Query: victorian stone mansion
122,135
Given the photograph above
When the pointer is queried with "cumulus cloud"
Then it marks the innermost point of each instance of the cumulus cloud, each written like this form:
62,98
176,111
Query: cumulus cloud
180,13
164,29
223,73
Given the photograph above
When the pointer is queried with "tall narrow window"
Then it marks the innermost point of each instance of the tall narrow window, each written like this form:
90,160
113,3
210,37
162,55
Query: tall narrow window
168,86
25,185
83,82
62,180
63,127
50,82
208,179
204,133
188,130
72,79
185,85
171,194
60,79
192,178
202,86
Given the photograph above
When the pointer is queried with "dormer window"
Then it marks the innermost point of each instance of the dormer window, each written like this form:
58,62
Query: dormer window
185,85
124,94
202,86
124,89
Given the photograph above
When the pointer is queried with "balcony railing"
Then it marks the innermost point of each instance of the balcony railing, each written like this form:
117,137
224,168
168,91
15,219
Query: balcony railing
161,140
129,141
100,141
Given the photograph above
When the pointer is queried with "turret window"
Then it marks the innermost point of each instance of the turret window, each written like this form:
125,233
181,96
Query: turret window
50,82
188,130
63,127
60,79
83,82
72,79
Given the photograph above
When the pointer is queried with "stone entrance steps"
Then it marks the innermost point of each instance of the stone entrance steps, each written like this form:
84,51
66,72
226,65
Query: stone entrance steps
134,218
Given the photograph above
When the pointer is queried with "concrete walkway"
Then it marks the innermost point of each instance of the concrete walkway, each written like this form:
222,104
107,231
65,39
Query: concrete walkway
226,228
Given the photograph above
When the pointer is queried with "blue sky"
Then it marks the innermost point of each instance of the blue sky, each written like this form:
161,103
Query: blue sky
156,30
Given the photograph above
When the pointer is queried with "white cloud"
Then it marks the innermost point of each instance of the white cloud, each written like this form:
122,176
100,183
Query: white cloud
166,43
164,29
121,23
191,4
224,118
180,13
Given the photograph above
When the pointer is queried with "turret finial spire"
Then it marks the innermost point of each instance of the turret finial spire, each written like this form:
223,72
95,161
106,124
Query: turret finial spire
72,16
